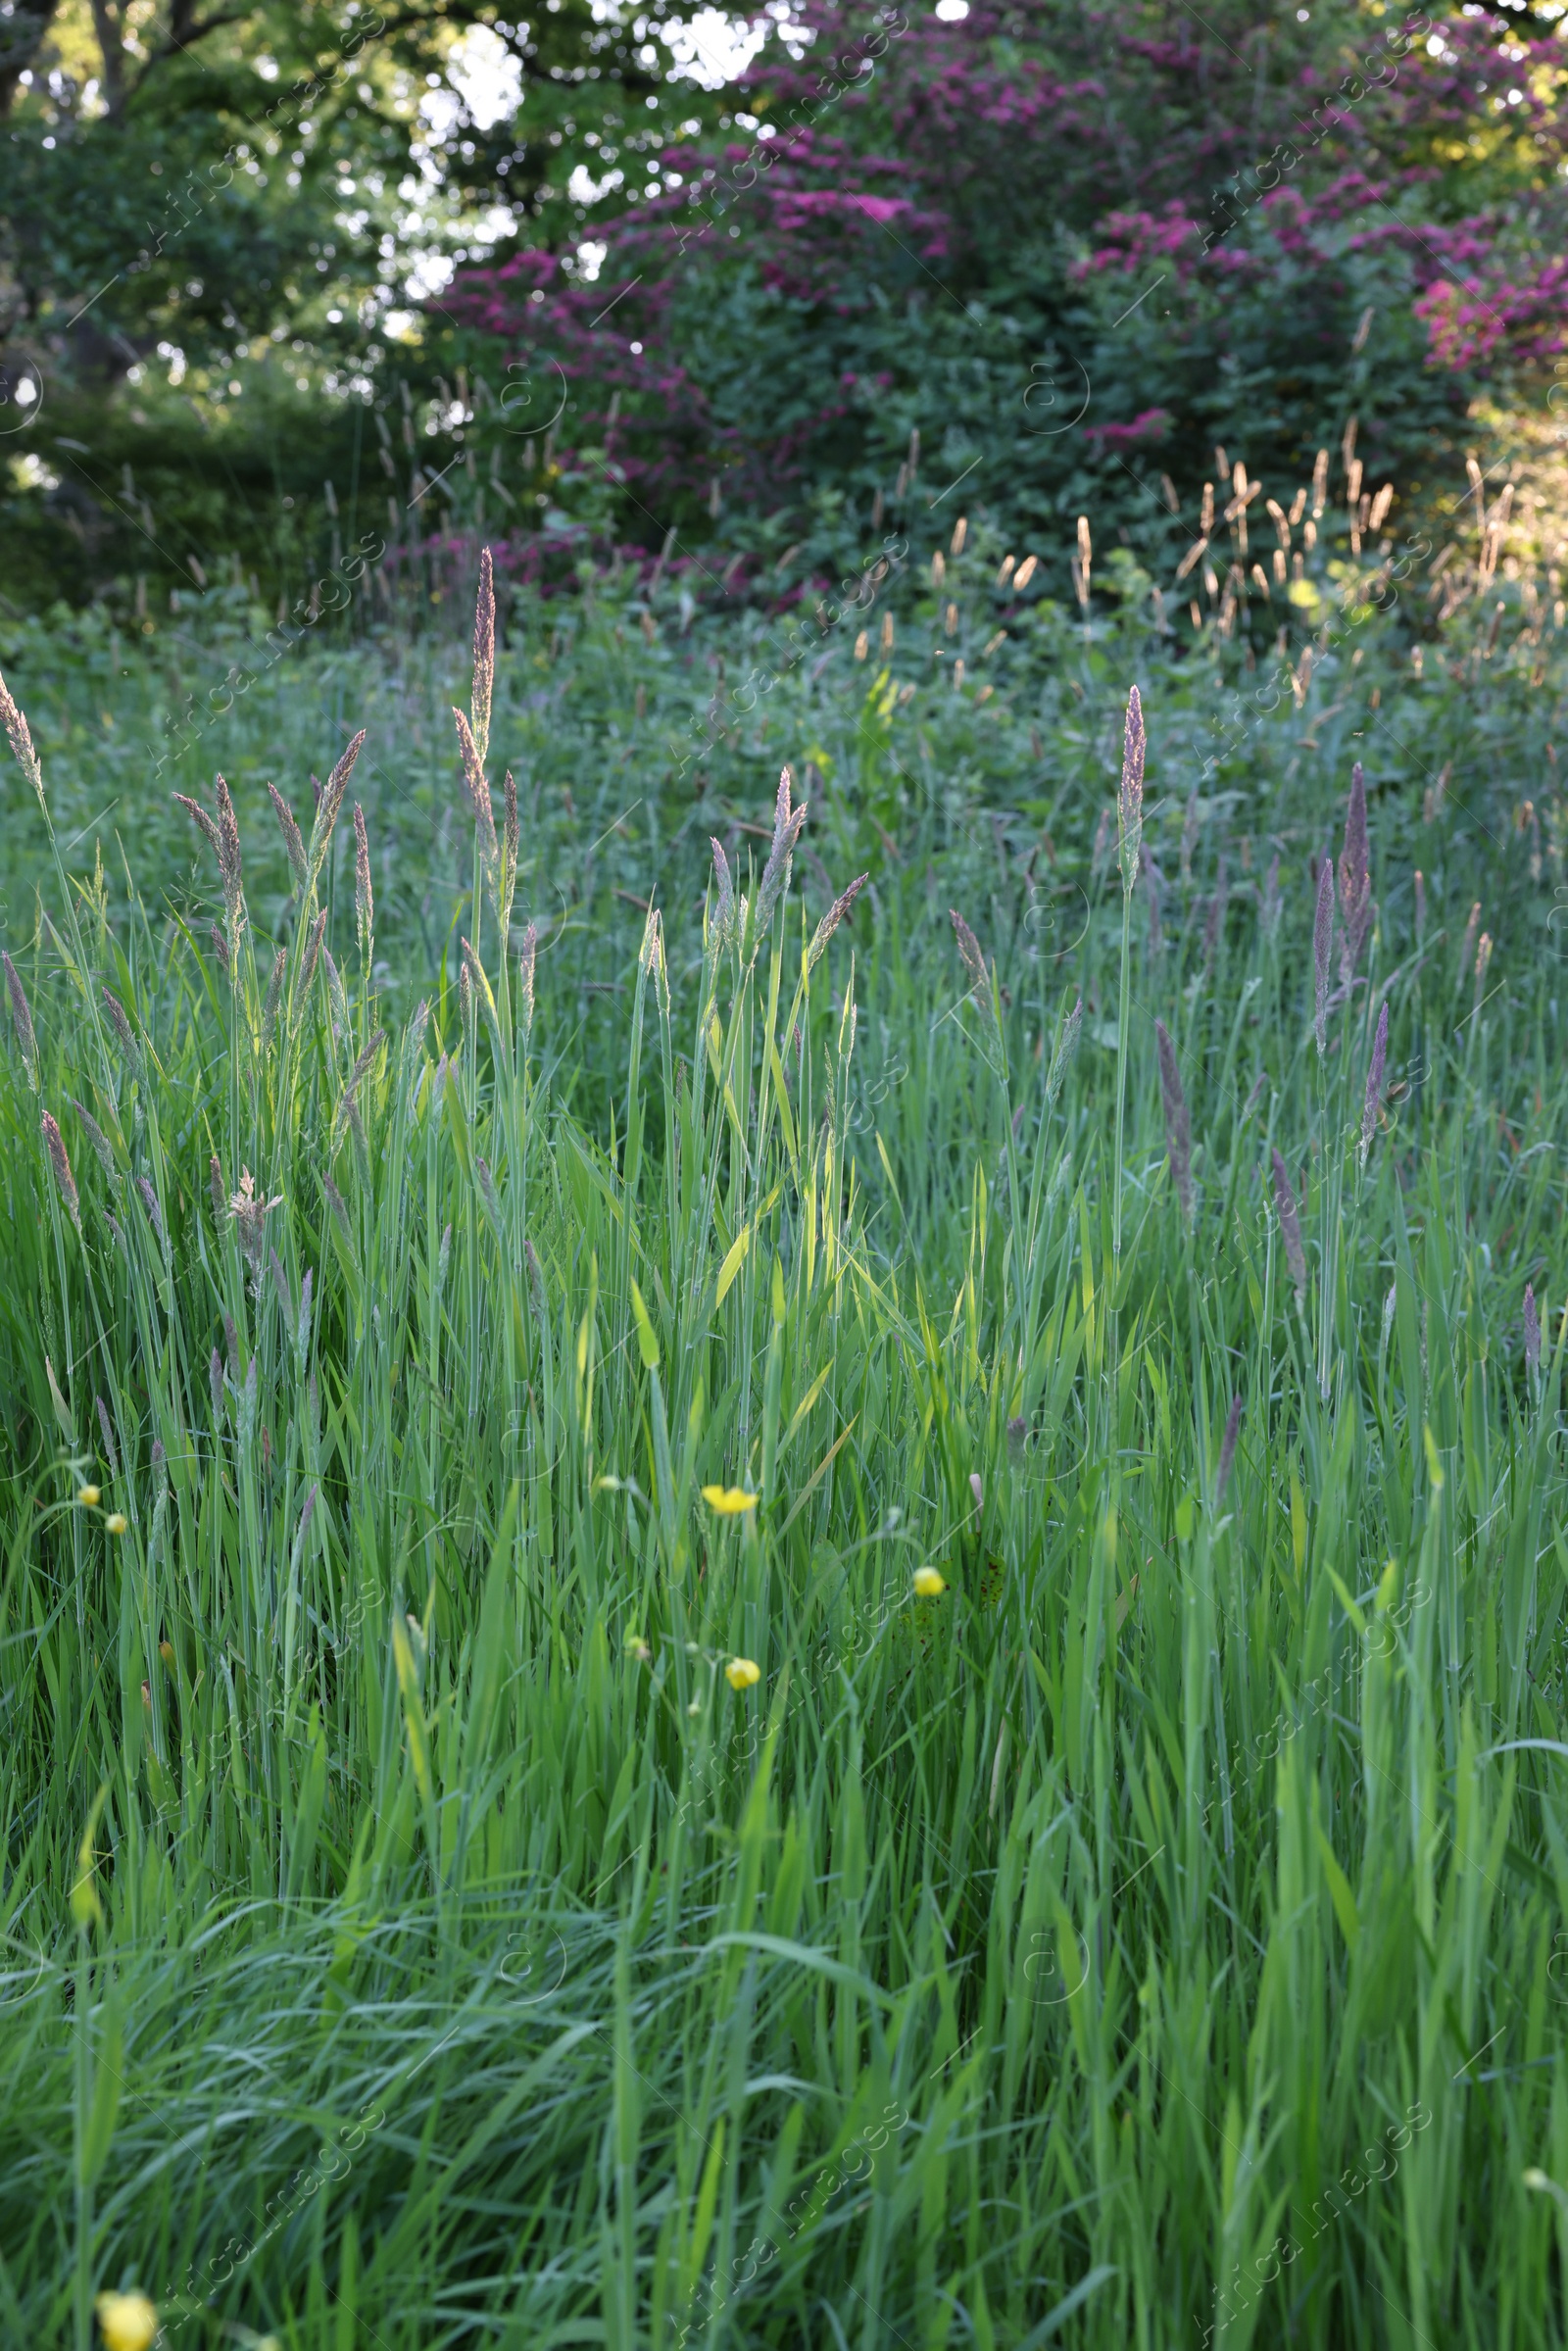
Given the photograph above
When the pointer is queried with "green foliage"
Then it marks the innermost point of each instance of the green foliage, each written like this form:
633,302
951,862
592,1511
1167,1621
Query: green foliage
473,1954
208,230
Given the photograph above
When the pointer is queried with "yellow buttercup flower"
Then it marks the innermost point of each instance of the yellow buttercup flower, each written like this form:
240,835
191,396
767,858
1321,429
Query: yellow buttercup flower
741,1673
88,1495
929,1584
126,2321
728,1501
116,1523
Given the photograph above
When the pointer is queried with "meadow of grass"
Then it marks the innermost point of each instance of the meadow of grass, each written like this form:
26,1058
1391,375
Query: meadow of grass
681,1665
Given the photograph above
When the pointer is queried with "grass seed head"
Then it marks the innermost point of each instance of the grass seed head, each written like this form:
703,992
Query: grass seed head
512,842
831,920
274,988
478,790
775,882
329,801
1130,802
487,1191
309,950
250,1210
721,920
58,1160
337,994
119,1022
229,858
525,974
484,655
1467,943
974,963
1066,1047
205,824
16,726
149,1201
1532,1331
293,845
363,898
349,1104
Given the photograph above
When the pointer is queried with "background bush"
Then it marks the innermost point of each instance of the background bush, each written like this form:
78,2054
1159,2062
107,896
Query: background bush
1076,254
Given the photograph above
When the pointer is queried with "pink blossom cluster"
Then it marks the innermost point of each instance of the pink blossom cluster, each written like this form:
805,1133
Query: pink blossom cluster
914,153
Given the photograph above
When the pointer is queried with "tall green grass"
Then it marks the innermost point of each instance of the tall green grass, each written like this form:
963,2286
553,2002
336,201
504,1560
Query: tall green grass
414,1933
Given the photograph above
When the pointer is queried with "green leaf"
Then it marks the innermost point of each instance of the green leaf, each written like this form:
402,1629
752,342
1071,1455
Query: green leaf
647,1338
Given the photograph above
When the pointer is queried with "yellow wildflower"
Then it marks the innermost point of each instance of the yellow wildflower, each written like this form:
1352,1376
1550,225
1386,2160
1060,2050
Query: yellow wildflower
87,1497
126,2321
116,1523
929,1583
741,1673
728,1501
